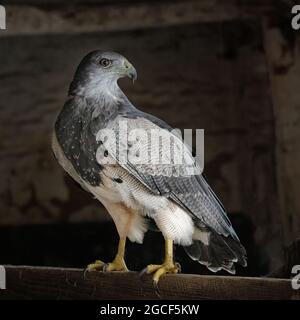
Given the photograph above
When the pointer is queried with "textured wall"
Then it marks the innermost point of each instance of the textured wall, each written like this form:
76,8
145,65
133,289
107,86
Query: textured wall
211,76
283,52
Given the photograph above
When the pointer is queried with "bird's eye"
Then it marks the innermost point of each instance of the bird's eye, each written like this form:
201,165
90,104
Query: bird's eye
105,62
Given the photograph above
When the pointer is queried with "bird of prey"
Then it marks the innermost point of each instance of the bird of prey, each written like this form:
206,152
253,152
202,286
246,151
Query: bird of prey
183,206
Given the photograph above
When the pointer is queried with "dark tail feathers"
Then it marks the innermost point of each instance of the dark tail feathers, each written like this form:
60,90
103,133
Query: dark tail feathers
220,253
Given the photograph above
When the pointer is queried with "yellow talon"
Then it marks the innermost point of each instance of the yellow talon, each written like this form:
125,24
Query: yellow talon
160,269
167,267
117,265
98,265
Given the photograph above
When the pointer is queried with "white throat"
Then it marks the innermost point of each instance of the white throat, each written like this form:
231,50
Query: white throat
104,90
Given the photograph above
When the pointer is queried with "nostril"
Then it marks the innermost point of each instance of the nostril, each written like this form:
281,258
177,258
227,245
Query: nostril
126,64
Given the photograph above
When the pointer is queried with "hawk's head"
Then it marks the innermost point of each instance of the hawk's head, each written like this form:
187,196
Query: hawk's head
99,70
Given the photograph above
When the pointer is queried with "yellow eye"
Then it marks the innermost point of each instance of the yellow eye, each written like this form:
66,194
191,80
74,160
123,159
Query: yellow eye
105,62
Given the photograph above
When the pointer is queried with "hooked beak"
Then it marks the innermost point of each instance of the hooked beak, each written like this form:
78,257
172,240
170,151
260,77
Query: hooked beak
130,71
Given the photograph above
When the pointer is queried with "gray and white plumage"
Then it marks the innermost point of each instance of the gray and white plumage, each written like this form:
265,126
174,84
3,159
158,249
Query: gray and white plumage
184,207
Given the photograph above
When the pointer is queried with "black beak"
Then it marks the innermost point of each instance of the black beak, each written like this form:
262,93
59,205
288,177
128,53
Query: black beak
132,74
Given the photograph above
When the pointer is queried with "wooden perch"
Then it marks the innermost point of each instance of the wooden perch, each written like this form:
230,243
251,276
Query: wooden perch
57,283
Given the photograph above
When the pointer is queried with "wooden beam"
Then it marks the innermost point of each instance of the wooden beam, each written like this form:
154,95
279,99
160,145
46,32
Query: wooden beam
282,47
44,19
245,3
56,283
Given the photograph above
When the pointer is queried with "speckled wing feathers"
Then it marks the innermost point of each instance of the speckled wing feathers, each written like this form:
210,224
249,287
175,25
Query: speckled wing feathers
74,134
192,193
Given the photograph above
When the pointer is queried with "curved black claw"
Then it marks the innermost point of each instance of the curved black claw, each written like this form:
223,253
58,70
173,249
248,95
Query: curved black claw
156,288
86,270
178,266
143,272
104,268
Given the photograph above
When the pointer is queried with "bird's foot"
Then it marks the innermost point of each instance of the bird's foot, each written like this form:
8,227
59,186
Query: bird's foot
160,269
117,265
98,265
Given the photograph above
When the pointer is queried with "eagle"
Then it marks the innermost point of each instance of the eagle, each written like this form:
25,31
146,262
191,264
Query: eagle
133,189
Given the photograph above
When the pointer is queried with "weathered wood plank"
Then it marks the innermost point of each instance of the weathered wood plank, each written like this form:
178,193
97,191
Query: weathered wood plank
249,3
68,18
56,283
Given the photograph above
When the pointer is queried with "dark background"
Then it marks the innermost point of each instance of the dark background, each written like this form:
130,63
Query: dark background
230,67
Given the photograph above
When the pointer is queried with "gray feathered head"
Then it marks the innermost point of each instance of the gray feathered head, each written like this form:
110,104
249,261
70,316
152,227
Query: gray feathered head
99,69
